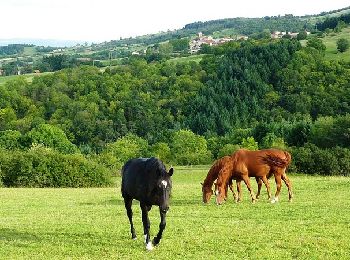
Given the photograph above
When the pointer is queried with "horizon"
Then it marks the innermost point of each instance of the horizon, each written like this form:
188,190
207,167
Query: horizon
80,22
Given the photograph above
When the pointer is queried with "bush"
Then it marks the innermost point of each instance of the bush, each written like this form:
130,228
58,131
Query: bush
127,147
43,167
228,149
311,159
189,148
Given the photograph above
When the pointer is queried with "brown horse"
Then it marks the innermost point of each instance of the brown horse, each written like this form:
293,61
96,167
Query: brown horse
261,164
223,164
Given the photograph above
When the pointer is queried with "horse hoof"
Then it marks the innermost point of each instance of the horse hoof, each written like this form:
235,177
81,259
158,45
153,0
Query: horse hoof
134,238
149,246
155,241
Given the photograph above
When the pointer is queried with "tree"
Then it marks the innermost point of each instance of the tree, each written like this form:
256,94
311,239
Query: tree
127,147
302,35
51,136
189,148
316,44
342,45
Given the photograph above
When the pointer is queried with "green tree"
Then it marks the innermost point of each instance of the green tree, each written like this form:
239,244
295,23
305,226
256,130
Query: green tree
343,44
189,148
302,35
249,143
228,149
51,136
127,147
317,44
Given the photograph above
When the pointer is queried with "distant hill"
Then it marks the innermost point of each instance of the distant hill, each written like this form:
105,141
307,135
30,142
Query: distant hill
40,42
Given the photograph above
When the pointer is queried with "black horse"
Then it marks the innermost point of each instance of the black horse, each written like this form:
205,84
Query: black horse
146,180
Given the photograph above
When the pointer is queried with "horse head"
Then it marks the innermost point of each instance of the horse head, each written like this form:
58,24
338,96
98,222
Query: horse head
163,189
220,193
207,192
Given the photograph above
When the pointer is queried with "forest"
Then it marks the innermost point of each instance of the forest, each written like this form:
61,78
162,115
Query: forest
77,126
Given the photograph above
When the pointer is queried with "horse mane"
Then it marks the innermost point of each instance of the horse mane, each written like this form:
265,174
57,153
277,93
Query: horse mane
226,169
213,173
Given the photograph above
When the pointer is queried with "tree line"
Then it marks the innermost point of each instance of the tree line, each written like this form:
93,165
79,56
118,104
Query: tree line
252,94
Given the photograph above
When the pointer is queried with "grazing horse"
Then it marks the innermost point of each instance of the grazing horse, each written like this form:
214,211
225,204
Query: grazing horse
260,164
223,164
146,180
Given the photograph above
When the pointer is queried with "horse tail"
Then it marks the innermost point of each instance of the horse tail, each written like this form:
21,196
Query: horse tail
288,157
276,161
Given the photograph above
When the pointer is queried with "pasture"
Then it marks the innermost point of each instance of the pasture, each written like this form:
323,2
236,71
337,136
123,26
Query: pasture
92,224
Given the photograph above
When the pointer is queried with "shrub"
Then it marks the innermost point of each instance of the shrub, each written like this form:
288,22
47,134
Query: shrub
127,147
228,149
189,148
311,159
43,167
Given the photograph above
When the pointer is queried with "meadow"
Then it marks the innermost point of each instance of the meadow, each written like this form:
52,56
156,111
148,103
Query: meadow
91,223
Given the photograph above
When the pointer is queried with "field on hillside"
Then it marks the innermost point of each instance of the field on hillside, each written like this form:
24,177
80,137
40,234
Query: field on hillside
29,77
331,43
92,224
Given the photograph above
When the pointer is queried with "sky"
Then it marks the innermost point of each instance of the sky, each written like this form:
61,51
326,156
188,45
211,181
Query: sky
104,20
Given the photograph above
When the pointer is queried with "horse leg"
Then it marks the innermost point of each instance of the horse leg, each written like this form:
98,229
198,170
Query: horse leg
278,181
267,184
239,191
146,225
233,192
162,225
128,203
247,182
289,185
259,182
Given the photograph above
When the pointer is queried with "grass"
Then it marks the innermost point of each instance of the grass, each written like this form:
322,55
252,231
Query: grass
196,58
92,224
331,45
29,77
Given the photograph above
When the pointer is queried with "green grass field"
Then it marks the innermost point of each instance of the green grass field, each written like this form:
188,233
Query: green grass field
92,224
331,45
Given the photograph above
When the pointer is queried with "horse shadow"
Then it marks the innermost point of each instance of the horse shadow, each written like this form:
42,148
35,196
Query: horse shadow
8,234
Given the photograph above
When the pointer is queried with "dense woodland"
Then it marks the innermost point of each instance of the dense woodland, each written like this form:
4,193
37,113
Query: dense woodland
78,125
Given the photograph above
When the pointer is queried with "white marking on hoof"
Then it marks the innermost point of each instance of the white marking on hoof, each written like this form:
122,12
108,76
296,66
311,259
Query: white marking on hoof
135,238
149,246
274,200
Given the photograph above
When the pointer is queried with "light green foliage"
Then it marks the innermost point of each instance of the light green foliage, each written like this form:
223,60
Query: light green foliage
127,147
92,223
228,149
249,143
161,150
317,44
189,148
51,136
10,139
272,141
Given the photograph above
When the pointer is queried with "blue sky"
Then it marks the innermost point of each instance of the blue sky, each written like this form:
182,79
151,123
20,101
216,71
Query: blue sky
104,20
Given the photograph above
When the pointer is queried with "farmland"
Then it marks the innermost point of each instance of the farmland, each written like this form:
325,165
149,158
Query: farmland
92,224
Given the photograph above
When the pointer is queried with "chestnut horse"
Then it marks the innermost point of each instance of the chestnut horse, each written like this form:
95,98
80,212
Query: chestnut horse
223,164
260,164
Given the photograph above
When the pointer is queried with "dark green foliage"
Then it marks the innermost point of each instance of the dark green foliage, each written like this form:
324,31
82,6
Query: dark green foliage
12,49
313,160
41,167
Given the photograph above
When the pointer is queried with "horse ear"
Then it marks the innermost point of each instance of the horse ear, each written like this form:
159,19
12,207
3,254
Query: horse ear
171,171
